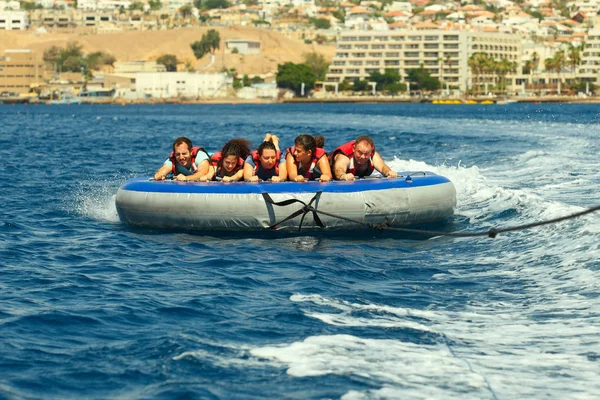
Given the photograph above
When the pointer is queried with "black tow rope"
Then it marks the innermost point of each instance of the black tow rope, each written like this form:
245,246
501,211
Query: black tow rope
304,210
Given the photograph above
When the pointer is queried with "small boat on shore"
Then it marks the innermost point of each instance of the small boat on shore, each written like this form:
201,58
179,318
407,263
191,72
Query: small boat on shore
412,198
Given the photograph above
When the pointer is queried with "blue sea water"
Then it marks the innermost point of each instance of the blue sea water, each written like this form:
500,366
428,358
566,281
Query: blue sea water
91,308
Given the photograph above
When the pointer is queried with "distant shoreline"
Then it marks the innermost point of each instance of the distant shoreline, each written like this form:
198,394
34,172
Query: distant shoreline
338,100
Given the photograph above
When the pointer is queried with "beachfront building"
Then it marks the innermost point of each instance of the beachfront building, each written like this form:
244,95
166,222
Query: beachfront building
444,54
182,85
13,20
589,69
20,71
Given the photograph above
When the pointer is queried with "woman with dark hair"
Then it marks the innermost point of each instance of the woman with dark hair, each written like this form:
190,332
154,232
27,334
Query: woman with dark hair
265,162
228,164
307,160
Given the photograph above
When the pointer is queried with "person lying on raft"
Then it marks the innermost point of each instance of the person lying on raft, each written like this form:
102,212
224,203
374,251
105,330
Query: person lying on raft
307,160
186,163
265,162
228,164
357,159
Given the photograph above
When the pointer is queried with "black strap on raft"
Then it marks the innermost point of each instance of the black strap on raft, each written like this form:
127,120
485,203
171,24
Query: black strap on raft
304,210
386,225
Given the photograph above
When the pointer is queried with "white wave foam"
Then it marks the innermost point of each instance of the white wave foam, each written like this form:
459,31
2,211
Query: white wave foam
483,349
97,202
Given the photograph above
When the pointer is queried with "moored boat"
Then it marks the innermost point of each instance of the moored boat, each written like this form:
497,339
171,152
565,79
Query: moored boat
412,198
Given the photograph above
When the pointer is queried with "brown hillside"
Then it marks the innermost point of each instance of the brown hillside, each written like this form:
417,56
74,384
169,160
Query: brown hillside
148,45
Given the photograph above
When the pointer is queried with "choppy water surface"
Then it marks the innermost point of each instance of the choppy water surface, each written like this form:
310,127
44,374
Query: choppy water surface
94,309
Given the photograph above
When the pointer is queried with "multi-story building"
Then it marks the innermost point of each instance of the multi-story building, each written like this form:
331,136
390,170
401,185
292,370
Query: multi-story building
589,69
13,20
444,54
20,70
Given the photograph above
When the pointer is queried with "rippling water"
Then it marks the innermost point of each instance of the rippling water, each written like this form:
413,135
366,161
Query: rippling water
94,309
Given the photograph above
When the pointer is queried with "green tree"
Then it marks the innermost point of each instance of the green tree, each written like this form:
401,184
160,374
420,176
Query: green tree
169,61
136,5
52,55
213,40
317,63
257,79
155,4
321,23
339,15
208,44
360,85
575,56
344,86
30,5
422,79
211,4
292,76
185,11
246,80
98,59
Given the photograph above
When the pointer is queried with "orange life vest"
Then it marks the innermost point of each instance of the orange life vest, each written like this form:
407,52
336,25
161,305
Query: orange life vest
262,173
348,150
194,153
313,172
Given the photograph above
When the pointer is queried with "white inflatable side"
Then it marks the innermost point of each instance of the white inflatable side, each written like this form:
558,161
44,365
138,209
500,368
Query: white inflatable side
250,211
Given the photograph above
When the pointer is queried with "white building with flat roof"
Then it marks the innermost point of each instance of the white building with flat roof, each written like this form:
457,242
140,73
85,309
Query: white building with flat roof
444,54
13,20
93,5
182,84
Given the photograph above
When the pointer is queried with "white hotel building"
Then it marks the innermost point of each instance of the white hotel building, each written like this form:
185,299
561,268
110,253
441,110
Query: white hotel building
443,53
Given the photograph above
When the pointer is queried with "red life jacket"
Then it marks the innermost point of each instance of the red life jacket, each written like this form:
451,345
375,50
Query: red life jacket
215,161
257,167
348,150
314,172
194,152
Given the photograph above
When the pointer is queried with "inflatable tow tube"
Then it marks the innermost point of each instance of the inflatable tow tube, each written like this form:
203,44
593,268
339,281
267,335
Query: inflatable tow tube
413,198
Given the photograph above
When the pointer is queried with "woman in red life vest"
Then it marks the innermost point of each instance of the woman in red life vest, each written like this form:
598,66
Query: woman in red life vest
228,164
357,159
265,162
186,163
307,160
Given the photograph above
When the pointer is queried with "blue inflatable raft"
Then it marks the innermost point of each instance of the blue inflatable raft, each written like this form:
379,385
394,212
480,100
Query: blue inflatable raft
412,198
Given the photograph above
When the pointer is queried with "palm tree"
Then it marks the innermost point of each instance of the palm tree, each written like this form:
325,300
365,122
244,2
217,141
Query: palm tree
560,60
550,64
575,56
479,64
535,59
474,63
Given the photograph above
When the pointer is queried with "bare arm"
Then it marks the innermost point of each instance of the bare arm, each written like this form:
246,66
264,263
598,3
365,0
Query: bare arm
282,174
249,173
235,177
381,166
340,167
325,169
209,175
162,173
292,169
200,172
